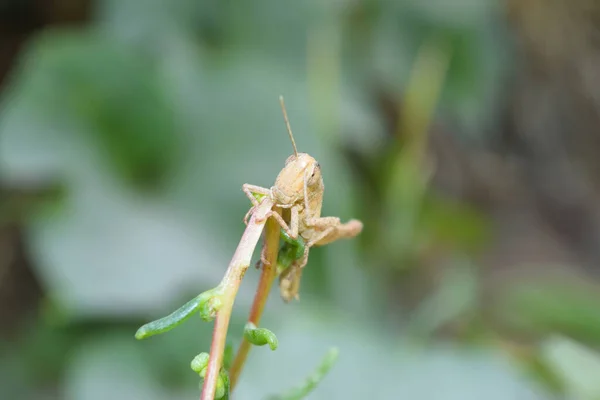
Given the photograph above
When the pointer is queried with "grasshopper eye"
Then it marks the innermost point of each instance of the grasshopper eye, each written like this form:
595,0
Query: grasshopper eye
315,170
313,179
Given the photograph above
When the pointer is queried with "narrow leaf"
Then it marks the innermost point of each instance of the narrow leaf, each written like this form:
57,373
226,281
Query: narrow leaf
260,336
313,380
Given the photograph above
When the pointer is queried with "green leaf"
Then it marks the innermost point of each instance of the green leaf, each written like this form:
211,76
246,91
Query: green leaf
210,304
207,303
222,391
169,322
199,363
260,336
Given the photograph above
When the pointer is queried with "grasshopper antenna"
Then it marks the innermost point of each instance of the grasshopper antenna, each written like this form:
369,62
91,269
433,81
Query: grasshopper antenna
287,124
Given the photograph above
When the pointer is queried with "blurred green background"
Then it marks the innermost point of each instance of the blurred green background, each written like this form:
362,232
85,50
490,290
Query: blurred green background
462,133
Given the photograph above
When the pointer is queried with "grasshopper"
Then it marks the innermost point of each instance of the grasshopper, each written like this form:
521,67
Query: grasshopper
298,192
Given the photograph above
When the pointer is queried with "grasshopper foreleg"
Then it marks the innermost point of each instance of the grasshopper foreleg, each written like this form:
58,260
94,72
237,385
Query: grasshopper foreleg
250,191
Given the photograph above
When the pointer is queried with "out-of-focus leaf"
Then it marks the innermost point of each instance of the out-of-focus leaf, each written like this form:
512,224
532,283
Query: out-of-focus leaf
99,87
15,377
455,296
148,22
474,37
454,224
124,257
403,206
458,13
313,380
577,366
565,307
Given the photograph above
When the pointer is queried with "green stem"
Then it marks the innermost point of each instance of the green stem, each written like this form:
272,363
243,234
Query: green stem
230,286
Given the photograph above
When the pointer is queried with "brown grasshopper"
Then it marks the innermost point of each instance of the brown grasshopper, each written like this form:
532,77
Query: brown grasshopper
298,191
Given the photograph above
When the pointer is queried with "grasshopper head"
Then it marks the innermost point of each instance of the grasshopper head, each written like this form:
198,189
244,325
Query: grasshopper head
289,185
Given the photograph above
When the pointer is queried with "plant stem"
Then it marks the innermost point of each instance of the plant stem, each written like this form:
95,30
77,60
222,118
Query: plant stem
267,276
229,286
